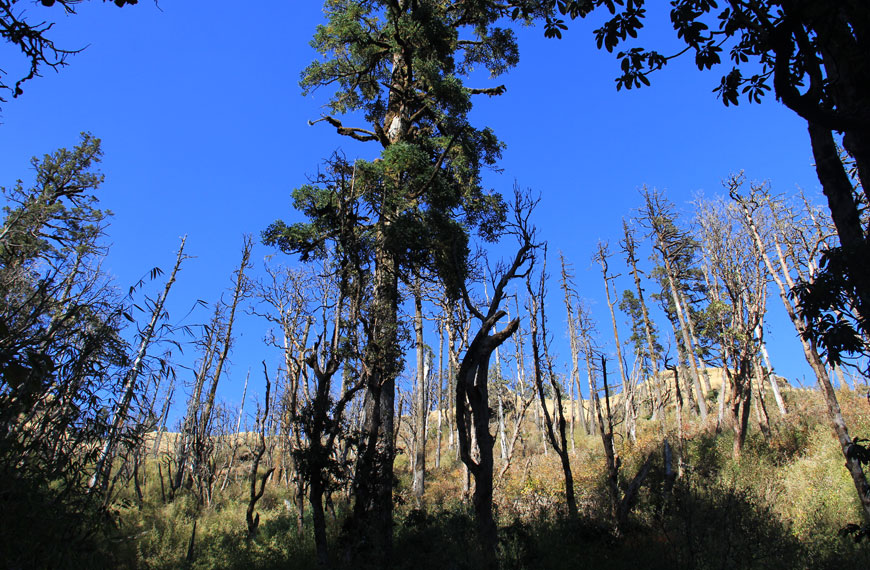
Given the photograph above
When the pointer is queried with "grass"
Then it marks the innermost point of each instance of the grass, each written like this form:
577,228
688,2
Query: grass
780,506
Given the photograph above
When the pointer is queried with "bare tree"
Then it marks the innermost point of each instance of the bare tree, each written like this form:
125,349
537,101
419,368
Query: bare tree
570,295
674,247
421,400
627,388
256,493
740,273
522,399
285,292
472,381
241,289
789,253
102,470
544,365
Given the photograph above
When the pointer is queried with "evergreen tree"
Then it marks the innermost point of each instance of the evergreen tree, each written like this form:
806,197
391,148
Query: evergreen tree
399,65
60,356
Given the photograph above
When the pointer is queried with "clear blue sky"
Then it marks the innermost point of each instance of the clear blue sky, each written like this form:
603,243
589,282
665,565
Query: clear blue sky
205,133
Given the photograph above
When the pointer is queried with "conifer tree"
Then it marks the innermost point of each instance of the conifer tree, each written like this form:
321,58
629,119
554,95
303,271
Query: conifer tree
399,65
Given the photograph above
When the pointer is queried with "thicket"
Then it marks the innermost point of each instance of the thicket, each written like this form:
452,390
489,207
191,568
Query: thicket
781,505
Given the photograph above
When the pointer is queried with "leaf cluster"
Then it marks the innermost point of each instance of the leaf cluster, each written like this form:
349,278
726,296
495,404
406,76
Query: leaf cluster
826,303
771,44
61,351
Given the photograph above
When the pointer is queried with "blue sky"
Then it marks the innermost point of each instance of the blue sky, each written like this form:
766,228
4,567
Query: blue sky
205,133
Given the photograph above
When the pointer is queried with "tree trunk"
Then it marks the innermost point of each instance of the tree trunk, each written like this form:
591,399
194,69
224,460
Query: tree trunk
421,410
784,282
543,363
102,471
238,293
628,396
629,246
844,211
372,520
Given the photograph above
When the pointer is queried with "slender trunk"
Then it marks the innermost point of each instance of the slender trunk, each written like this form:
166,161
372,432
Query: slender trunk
844,384
236,434
605,428
758,399
678,417
702,366
688,346
421,409
499,391
238,292
255,494
440,394
102,470
628,396
189,430
164,413
629,246
543,363
575,355
774,385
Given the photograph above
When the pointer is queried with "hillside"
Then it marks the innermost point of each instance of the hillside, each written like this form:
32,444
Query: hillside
782,505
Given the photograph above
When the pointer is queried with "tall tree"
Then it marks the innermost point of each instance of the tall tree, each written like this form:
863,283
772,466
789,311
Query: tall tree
644,337
676,250
62,355
601,257
570,294
286,293
130,386
472,379
742,279
543,366
421,396
399,64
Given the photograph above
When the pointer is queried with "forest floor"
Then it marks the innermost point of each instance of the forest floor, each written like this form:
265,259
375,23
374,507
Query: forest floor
782,504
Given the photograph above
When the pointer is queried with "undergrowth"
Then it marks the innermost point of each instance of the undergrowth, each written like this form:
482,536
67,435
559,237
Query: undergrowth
780,505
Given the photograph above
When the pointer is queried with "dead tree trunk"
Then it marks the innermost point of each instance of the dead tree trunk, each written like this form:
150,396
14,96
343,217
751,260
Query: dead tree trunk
421,408
187,437
102,470
568,288
629,246
239,291
543,363
252,518
472,383
627,389
782,276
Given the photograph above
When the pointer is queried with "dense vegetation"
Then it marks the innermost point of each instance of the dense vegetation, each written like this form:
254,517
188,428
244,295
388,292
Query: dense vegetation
419,416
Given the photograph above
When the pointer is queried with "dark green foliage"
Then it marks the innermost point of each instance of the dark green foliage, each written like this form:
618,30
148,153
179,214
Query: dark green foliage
858,450
60,355
814,57
827,305
630,305
769,44
423,194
